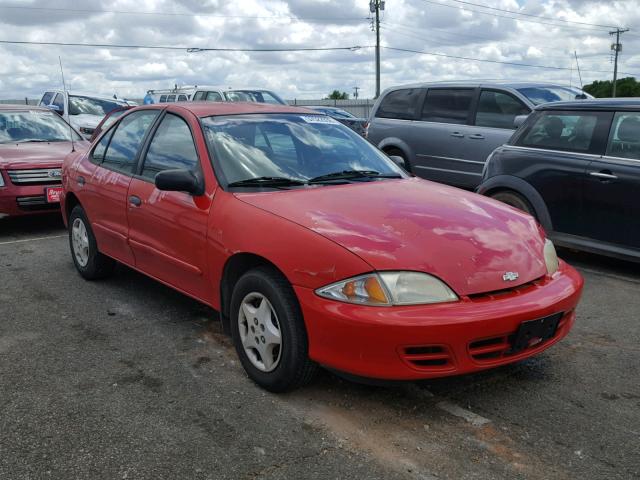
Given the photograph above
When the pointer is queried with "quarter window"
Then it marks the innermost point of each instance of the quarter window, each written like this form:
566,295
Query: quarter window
447,106
498,110
562,131
401,104
624,140
125,143
172,147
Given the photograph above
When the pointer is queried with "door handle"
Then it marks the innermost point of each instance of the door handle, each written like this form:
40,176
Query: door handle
477,136
604,175
135,201
457,134
81,181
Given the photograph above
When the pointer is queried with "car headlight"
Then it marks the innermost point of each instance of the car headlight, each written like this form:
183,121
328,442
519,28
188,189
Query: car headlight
390,288
550,257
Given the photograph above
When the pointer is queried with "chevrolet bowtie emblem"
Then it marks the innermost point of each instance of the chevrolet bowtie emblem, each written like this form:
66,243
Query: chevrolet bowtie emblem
510,276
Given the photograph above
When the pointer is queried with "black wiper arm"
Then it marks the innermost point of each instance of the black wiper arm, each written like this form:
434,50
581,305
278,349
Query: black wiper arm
349,174
33,140
267,182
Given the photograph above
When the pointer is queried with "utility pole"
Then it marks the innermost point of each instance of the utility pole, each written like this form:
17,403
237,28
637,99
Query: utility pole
617,48
355,92
374,7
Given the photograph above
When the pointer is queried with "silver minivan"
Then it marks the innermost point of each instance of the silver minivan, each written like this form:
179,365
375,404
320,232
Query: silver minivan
445,131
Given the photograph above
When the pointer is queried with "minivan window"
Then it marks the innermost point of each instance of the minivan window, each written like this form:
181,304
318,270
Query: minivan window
624,140
127,139
163,98
401,104
447,105
171,98
572,131
172,147
498,110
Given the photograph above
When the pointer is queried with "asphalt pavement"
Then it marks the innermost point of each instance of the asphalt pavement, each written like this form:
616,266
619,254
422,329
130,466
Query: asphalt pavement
126,379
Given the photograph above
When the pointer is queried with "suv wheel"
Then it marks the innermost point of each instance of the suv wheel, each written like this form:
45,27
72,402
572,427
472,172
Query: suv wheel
84,250
268,331
515,200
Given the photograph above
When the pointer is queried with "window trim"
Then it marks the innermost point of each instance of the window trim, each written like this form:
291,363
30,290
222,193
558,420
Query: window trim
496,90
472,105
142,156
137,157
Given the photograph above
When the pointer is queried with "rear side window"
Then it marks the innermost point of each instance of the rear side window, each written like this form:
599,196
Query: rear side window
570,131
624,140
402,104
182,98
163,98
172,147
498,110
213,97
125,142
46,99
447,106
171,98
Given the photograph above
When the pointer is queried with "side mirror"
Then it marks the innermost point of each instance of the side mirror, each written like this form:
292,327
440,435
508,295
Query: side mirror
398,160
519,120
55,108
180,180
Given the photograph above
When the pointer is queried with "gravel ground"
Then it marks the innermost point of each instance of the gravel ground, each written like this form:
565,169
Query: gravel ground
125,378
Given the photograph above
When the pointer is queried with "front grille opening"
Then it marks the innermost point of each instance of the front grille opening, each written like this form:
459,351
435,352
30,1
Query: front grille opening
428,357
507,291
436,362
487,342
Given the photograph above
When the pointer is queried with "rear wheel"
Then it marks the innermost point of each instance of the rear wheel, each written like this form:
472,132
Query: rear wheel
515,200
84,250
268,331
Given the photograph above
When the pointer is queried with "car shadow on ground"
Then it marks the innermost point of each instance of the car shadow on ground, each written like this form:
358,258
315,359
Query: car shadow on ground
14,228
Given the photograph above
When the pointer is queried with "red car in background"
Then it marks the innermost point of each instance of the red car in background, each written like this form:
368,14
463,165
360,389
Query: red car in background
33,143
315,247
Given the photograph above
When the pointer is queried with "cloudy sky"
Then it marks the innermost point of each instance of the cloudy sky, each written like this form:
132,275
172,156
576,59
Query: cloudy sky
479,29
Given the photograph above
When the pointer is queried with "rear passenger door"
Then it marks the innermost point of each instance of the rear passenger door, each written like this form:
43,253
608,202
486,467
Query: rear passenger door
440,140
612,185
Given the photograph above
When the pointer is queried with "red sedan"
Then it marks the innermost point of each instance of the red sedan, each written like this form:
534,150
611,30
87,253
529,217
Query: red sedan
33,143
314,246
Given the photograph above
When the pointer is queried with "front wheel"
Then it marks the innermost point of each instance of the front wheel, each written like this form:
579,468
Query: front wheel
514,200
268,331
84,249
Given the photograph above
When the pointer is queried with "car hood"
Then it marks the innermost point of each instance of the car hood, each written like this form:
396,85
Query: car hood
85,120
466,240
36,155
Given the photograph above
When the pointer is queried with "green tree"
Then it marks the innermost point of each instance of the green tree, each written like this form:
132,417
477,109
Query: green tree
338,95
625,87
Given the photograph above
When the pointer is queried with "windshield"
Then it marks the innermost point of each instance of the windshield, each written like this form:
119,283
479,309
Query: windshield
294,146
539,95
257,96
334,112
91,106
34,126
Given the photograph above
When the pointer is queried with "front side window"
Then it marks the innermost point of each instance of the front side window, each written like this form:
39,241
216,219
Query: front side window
571,131
58,101
447,106
79,105
624,139
498,110
214,97
97,155
125,143
400,104
46,99
26,126
172,147
294,146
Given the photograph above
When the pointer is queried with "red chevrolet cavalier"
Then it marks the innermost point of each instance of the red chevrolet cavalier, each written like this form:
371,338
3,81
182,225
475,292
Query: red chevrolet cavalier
33,144
315,247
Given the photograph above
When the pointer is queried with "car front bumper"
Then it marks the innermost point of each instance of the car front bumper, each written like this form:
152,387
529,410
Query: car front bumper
25,200
428,341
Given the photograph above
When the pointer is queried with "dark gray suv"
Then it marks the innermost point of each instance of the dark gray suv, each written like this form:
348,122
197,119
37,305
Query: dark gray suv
445,131
575,166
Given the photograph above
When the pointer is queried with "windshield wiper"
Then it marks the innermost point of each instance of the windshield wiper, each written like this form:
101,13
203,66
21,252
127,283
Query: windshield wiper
352,174
267,182
34,140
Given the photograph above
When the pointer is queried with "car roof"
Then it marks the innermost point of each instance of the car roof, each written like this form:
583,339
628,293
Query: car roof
483,83
21,106
208,109
85,94
594,104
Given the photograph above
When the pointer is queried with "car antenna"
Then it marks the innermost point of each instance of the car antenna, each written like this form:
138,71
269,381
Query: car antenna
578,65
64,86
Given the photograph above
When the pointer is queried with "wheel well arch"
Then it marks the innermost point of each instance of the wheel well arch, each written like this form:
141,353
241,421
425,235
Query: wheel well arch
237,265
71,200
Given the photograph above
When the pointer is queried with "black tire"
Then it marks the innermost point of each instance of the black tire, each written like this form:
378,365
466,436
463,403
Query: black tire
97,265
294,369
399,153
515,200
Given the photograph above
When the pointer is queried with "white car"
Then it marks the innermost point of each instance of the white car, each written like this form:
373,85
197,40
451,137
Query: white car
83,112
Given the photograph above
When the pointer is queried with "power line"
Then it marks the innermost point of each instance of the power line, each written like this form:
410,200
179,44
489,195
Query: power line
185,49
531,15
178,14
486,60
508,17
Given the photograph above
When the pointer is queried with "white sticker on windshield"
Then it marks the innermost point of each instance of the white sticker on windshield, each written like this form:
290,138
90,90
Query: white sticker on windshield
318,119
40,113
